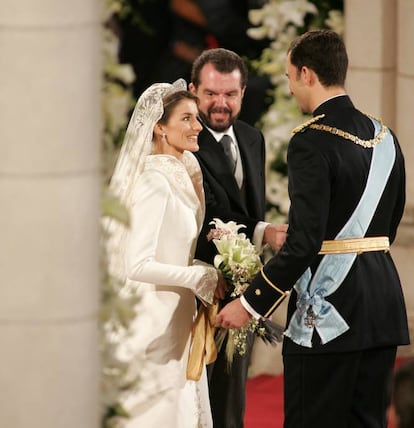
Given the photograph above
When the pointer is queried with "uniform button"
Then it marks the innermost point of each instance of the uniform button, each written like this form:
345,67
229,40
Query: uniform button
258,292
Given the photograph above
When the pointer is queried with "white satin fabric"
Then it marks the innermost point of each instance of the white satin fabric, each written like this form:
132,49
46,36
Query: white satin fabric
166,217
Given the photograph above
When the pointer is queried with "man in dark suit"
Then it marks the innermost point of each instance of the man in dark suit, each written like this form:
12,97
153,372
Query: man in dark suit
346,314
234,185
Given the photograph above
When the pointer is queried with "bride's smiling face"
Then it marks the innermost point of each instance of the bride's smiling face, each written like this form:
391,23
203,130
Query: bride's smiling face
181,130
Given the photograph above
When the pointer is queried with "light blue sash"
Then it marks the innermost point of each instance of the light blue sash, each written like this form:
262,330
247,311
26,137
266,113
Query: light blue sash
333,268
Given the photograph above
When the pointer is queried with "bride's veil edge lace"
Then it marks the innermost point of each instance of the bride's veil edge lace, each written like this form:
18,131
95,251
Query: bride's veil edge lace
136,146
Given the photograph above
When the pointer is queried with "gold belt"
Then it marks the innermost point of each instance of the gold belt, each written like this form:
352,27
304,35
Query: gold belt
355,245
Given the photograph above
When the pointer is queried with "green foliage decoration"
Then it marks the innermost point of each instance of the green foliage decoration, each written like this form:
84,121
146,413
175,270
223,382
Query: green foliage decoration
281,21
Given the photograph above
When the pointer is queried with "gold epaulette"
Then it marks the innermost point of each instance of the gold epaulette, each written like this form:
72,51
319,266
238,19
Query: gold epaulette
305,125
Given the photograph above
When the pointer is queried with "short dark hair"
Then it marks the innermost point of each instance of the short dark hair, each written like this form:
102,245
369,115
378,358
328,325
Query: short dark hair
324,52
223,60
171,100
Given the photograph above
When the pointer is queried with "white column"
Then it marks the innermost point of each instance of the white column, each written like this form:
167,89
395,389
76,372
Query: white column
370,38
379,39
405,89
405,129
49,186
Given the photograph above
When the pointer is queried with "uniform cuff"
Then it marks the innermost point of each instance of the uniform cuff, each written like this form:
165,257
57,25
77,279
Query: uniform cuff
249,309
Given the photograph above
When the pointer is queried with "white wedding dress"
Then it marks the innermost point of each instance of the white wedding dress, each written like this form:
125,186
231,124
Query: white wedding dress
166,218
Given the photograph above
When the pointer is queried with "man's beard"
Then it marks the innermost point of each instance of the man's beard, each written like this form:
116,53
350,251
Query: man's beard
221,126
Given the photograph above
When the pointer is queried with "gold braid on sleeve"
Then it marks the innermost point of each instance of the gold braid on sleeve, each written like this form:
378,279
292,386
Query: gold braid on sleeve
283,294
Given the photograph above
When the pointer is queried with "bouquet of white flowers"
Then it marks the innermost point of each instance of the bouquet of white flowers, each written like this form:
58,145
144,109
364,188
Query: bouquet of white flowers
239,262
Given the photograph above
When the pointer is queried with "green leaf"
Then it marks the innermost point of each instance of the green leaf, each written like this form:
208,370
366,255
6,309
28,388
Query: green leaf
111,207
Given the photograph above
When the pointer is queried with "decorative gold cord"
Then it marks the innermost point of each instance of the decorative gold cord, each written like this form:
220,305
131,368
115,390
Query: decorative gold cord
306,124
284,293
343,134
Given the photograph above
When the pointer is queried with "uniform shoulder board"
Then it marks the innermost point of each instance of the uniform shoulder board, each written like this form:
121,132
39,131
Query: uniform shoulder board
305,125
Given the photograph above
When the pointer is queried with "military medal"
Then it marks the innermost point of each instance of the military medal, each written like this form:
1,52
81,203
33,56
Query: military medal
310,318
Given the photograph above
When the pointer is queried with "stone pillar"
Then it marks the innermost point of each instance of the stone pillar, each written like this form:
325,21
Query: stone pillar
50,190
405,91
370,37
404,251
379,36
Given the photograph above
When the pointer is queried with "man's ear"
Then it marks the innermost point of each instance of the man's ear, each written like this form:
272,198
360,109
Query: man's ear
192,88
243,90
308,75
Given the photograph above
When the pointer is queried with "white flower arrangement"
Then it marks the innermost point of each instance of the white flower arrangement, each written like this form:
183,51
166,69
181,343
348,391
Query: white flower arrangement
237,257
280,21
239,262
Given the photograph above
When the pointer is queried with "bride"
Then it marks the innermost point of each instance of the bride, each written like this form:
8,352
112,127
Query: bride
159,180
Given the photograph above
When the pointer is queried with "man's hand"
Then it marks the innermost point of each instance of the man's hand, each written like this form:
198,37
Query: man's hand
275,235
233,315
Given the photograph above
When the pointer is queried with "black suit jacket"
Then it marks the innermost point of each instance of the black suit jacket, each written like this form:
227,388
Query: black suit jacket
327,176
224,199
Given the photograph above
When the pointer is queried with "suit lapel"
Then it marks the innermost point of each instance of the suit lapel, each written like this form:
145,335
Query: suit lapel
213,158
252,170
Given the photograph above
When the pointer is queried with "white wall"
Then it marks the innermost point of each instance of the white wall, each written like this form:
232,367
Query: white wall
380,36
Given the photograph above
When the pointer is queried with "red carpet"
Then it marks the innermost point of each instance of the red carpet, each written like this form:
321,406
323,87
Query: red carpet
264,407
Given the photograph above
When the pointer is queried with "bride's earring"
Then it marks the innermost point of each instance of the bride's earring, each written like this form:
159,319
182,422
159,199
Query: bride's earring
164,137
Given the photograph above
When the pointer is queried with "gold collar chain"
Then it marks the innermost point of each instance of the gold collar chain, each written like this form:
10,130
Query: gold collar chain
343,134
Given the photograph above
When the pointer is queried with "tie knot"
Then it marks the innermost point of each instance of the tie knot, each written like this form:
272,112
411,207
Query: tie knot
226,140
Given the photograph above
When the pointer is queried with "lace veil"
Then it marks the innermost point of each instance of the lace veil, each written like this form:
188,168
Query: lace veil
136,146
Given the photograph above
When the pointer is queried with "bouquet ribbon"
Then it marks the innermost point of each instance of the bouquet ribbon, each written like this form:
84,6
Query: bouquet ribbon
203,348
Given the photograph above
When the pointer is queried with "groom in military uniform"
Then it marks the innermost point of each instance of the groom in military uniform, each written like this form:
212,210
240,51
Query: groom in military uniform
346,313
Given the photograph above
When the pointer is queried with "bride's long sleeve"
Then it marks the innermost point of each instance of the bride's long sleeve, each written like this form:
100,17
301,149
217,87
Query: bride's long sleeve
152,238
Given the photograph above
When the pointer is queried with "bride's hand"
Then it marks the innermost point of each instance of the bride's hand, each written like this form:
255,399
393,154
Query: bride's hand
221,288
